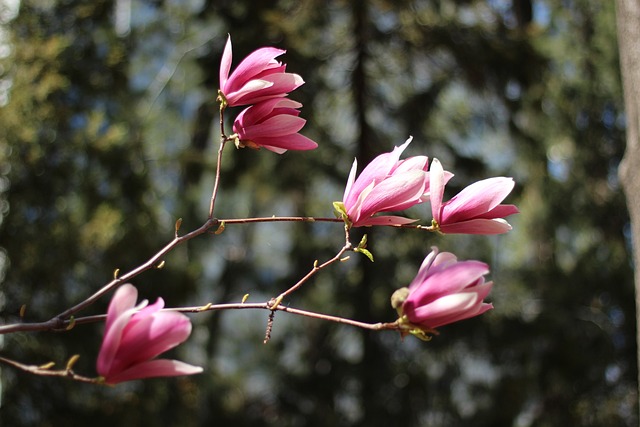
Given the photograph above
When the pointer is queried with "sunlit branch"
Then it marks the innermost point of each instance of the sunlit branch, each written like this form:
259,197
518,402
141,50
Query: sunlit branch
279,219
61,321
216,183
58,322
315,219
232,306
45,370
347,247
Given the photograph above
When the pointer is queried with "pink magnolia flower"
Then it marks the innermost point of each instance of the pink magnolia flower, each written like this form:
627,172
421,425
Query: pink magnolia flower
475,210
385,184
272,124
258,77
134,336
444,291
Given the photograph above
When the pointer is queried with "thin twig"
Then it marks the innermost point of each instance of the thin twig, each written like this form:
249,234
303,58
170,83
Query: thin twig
316,219
269,306
267,334
61,321
256,306
280,219
347,247
149,264
223,141
45,370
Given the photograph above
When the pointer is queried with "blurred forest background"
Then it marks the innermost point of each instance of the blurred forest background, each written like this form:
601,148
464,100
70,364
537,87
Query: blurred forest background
108,118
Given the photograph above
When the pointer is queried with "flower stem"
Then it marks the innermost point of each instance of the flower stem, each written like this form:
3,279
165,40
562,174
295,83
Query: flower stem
223,141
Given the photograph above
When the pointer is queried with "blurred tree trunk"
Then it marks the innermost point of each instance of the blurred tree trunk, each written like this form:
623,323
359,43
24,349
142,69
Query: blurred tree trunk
628,20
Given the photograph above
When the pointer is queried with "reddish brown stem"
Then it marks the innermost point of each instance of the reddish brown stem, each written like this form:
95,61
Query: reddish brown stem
45,370
216,183
60,322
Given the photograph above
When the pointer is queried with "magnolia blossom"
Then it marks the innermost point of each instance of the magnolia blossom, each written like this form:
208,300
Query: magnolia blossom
475,210
444,291
272,124
258,77
386,184
134,336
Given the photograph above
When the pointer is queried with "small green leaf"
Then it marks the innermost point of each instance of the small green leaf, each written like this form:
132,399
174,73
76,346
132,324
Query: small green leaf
72,323
221,228
72,361
398,298
341,211
363,242
47,366
365,252
419,333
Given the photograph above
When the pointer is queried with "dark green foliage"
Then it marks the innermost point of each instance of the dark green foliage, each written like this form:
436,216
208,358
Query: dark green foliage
109,139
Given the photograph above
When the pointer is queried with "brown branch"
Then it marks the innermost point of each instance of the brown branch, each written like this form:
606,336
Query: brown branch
315,219
269,306
223,141
280,219
347,247
258,306
62,320
46,371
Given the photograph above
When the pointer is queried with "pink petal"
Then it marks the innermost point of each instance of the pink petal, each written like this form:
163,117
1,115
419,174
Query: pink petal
456,317
433,262
257,112
396,193
254,63
378,169
444,259
473,311
225,63
350,197
477,199
111,342
477,226
423,271
447,178
289,142
276,150
412,163
276,126
267,87
246,94
452,308
146,311
447,280
384,220
449,306
121,310
285,82
152,336
155,368
436,188
354,210
482,289
500,211
123,299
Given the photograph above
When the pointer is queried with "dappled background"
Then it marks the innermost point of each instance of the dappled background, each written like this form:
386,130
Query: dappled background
108,118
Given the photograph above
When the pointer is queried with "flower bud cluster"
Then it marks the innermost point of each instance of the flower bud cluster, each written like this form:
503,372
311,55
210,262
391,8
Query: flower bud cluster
271,121
444,290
